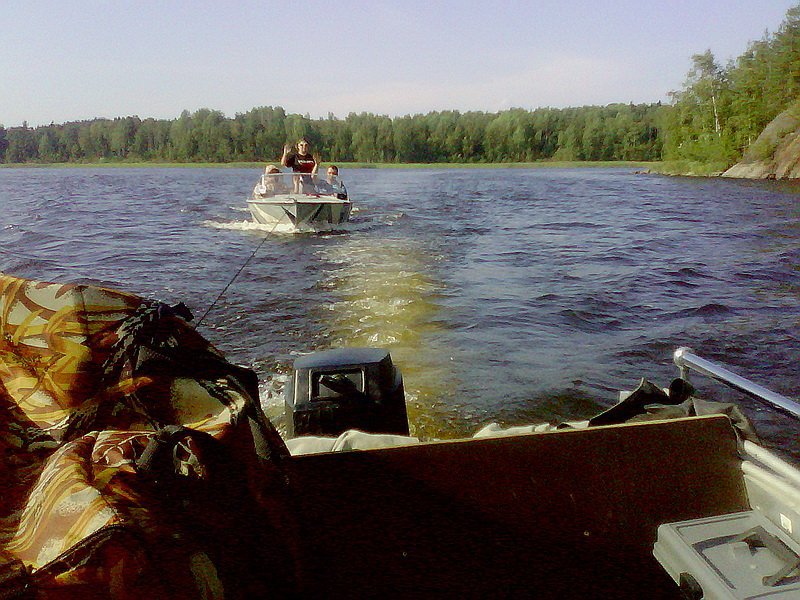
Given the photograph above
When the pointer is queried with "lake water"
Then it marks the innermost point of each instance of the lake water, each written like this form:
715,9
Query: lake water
509,295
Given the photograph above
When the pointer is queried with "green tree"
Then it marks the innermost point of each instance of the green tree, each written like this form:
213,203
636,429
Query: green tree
364,129
183,141
22,145
121,135
48,148
69,141
151,141
700,130
410,142
211,136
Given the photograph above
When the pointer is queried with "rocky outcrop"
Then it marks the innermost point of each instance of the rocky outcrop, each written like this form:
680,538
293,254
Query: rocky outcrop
776,152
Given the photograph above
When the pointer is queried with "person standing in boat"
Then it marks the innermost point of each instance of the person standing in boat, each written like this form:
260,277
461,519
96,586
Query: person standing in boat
301,161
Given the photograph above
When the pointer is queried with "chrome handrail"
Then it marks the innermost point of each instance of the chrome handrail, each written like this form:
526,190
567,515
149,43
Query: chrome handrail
686,360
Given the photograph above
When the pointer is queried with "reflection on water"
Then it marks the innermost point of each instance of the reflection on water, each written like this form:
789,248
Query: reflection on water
387,298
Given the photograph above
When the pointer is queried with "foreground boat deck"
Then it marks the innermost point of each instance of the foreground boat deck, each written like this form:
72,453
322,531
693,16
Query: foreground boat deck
572,513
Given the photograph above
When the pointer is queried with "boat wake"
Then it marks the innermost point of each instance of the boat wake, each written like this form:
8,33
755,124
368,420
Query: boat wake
278,229
270,393
384,294
357,223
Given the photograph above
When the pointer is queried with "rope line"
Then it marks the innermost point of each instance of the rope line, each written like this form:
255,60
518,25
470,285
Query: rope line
225,289
213,304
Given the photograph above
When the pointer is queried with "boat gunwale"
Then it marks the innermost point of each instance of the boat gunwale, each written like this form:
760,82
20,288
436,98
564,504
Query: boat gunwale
307,199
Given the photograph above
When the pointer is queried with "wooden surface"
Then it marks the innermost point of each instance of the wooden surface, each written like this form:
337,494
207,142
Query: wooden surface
567,514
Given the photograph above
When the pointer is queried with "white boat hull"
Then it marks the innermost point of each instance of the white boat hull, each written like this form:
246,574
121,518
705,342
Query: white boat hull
300,211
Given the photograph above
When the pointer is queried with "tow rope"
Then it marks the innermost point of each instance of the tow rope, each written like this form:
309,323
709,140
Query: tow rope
225,289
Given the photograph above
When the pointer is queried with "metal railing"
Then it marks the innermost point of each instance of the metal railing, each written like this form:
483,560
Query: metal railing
686,360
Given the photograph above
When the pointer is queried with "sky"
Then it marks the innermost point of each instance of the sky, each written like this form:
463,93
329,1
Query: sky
71,60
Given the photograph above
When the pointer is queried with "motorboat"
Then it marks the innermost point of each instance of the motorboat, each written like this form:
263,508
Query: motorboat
299,200
129,443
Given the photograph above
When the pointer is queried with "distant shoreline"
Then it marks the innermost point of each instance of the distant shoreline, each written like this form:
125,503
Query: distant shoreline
352,165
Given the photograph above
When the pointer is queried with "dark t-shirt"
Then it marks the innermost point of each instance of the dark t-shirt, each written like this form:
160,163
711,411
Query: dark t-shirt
300,163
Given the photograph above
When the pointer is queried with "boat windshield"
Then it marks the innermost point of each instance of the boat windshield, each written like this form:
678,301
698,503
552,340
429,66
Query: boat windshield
273,184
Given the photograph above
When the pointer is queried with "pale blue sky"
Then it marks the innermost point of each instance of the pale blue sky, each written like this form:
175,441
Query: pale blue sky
71,60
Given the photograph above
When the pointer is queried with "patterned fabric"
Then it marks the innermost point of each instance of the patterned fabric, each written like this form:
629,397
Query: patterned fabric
87,377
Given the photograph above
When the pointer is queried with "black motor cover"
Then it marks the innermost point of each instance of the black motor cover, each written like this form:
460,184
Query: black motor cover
346,388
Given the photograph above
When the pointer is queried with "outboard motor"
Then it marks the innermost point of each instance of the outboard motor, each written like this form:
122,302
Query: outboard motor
346,388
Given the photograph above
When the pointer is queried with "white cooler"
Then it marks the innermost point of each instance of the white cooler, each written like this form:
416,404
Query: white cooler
740,555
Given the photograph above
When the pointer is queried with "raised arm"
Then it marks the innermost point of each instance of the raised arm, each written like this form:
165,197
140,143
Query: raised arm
285,158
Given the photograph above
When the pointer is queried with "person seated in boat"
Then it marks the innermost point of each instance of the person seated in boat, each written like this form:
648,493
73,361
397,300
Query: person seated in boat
301,161
273,181
269,183
331,183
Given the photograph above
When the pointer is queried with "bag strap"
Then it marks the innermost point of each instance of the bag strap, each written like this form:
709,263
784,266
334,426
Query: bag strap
143,342
155,463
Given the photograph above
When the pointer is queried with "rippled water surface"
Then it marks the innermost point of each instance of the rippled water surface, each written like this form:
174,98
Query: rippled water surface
511,295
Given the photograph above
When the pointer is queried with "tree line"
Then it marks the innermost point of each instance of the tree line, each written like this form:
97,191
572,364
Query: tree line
721,110
716,115
613,132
